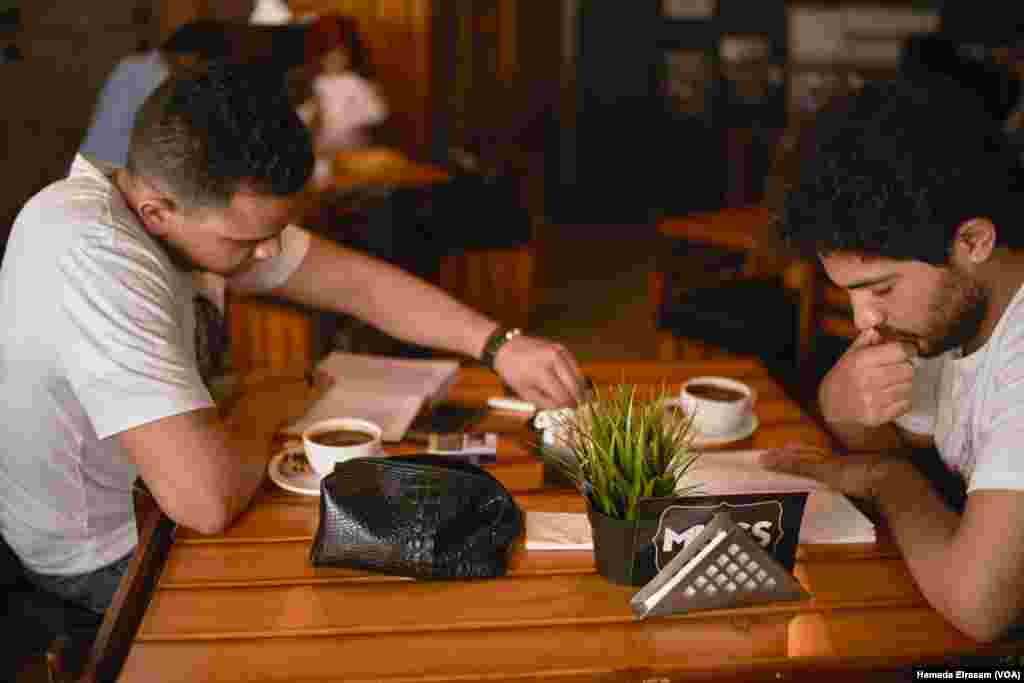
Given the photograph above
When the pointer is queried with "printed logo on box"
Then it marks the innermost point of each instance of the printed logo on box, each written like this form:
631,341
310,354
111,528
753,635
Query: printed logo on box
680,524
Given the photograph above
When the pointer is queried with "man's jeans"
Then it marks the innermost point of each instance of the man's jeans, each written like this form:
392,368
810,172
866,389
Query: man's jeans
93,590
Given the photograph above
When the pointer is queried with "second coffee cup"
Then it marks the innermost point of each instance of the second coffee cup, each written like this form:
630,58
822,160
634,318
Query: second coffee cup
720,405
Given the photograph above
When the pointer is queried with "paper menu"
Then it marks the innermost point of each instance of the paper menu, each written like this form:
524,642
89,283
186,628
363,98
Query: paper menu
386,391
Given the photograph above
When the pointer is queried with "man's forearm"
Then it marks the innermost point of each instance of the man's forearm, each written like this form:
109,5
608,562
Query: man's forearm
925,530
338,279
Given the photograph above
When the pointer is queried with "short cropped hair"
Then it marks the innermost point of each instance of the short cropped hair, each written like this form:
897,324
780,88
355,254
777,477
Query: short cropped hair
896,169
203,134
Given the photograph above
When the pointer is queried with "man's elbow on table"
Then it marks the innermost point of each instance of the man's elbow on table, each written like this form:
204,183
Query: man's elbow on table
205,509
188,464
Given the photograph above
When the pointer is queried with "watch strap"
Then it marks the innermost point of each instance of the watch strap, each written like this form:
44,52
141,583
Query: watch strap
495,341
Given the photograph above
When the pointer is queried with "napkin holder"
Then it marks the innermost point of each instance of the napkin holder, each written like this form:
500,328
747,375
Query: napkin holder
723,567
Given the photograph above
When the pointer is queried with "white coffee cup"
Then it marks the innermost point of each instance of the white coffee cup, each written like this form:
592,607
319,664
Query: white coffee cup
720,405
322,456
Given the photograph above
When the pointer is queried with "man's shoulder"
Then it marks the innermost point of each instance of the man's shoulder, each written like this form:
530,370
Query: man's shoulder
79,219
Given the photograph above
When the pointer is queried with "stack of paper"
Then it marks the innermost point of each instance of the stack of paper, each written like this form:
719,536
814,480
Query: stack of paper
386,391
829,516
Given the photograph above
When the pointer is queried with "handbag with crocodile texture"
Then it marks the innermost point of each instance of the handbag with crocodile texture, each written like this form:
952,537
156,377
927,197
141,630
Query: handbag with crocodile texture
424,516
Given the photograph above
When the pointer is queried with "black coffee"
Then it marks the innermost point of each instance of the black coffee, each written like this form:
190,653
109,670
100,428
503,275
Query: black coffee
714,392
341,437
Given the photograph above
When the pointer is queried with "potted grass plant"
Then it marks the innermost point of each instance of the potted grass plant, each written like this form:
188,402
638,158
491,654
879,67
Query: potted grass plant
620,448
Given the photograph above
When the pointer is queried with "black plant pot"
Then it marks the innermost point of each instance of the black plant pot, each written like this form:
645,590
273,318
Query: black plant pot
623,549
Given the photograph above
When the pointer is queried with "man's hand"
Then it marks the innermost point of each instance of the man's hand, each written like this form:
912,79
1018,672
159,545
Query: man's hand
870,384
858,475
540,371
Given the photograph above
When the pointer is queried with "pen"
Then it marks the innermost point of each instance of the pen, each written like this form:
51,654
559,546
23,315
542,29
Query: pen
511,404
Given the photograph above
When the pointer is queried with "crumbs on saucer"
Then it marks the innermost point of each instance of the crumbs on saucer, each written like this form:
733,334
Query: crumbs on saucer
295,462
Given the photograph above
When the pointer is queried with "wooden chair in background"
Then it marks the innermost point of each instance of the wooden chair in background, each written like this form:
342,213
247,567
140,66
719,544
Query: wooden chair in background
497,282
758,299
269,335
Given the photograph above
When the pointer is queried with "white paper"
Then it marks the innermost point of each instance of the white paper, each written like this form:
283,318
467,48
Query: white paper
386,391
392,376
829,516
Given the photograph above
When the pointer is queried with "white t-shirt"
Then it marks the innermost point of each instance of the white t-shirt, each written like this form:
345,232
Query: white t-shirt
96,337
973,406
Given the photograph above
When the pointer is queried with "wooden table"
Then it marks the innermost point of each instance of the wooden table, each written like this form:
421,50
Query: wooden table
247,605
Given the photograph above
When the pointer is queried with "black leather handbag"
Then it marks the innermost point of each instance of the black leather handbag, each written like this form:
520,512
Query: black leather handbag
424,516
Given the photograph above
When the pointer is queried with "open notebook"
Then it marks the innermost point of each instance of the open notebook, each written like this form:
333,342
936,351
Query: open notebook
386,391
829,516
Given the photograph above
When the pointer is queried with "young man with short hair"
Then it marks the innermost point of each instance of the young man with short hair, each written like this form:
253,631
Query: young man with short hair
912,203
97,358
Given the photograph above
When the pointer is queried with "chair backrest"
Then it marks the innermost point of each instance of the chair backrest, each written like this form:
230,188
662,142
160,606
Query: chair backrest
822,308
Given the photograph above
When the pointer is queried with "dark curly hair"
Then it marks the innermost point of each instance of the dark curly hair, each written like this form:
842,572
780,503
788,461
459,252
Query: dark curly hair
896,168
202,134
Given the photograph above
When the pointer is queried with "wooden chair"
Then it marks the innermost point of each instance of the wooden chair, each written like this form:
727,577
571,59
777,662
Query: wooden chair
497,282
767,285
269,335
123,617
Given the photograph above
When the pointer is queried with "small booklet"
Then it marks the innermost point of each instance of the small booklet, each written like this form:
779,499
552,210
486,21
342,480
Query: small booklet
386,391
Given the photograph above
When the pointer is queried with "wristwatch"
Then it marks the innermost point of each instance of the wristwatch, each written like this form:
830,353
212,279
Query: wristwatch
494,342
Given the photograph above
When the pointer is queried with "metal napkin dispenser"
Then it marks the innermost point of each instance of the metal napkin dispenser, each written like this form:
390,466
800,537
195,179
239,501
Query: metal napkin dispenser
723,567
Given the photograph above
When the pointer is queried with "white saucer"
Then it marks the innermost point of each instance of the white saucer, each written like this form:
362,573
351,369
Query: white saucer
745,429
305,482
748,427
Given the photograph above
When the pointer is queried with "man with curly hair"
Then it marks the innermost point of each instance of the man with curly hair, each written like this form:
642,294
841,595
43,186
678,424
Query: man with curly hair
911,201
97,356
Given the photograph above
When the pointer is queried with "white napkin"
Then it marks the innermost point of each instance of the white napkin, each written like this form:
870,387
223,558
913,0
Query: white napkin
558,531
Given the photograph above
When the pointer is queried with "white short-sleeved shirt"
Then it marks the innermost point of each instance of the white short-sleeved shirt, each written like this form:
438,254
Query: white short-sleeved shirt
973,406
96,337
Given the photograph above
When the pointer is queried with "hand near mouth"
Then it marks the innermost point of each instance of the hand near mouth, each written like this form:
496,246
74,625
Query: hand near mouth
870,384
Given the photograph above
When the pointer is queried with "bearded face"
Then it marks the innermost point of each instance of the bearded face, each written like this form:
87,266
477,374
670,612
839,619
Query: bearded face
956,311
935,308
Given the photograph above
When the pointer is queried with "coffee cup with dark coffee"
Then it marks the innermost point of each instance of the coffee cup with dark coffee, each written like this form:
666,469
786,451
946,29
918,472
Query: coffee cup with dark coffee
720,405
335,440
